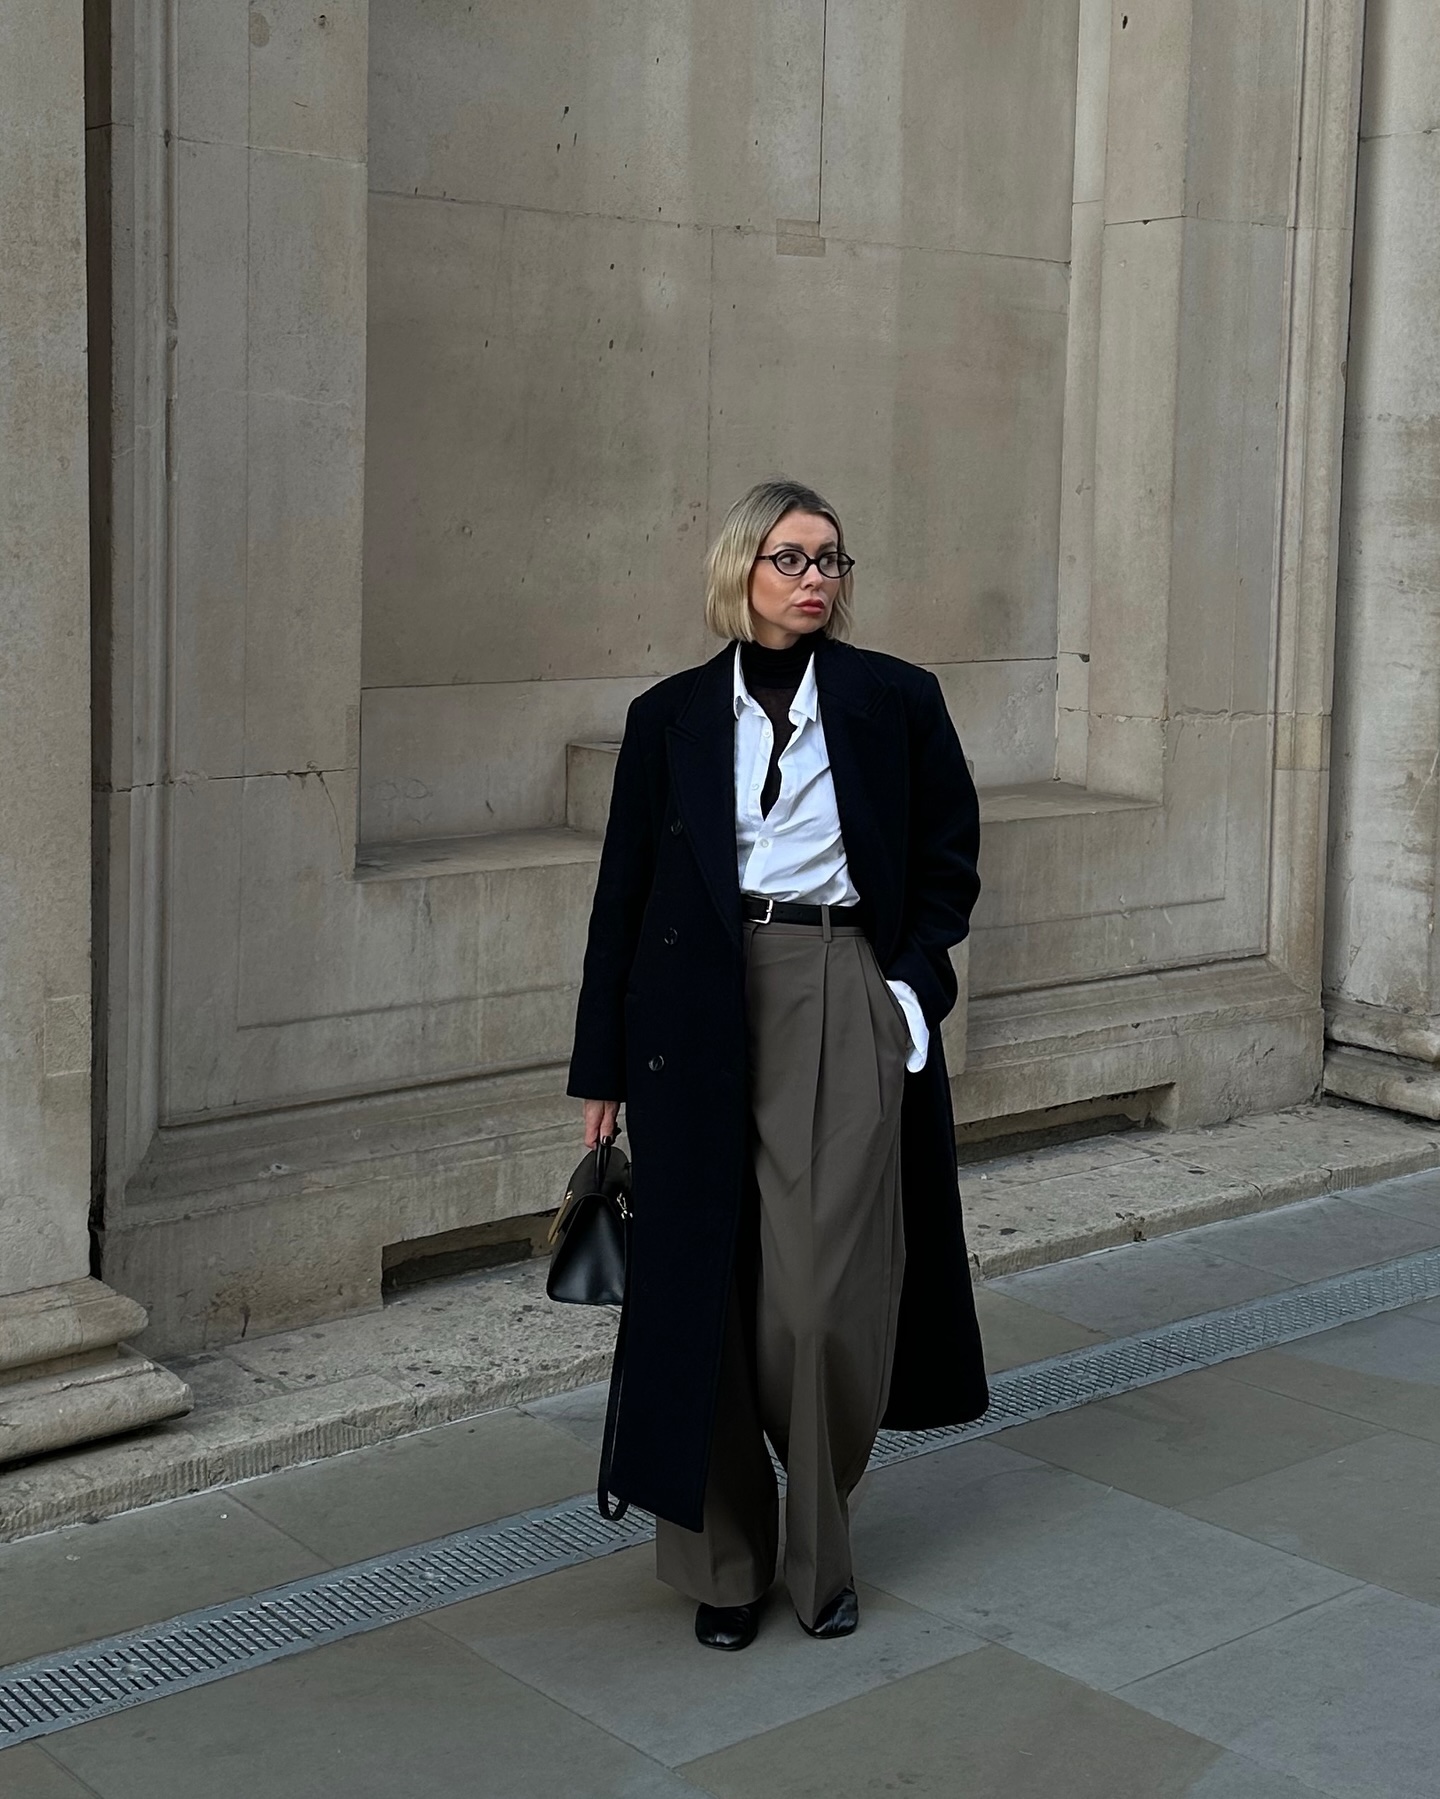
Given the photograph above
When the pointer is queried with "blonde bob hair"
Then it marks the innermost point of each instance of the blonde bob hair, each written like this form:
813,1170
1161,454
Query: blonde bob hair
732,556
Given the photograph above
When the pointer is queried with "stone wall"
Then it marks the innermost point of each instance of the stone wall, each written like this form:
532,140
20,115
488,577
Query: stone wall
1118,472
623,265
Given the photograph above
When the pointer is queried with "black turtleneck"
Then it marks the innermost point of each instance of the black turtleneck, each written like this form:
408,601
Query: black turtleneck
773,677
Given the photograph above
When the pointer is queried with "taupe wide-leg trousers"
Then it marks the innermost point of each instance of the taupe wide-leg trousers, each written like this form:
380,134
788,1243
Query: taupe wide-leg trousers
811,1330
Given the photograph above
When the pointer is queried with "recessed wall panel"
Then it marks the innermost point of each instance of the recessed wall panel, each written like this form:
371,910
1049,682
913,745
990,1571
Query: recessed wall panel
536,441
923,393
673,110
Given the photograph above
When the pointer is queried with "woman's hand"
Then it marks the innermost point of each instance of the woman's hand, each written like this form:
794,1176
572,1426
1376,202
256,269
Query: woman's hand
600,1115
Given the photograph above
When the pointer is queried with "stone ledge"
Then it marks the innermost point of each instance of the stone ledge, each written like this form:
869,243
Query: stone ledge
447,1352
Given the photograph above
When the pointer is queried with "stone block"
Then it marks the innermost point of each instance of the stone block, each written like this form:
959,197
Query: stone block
1375,1079
668,110
922,392
1401,96
102,1397
1076,549
1149,111
536,448
307,78
1226,458
212,202
1134,473
256,1224
589,782
482,756
298,854
1245,75
204,897
1092,93
924,144
303,593
212,64
1254,1065
1005,714
70,1319
211,553
307,278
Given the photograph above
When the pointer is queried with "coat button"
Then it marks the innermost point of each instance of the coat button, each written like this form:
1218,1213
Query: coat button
676,827
671,935
656,1064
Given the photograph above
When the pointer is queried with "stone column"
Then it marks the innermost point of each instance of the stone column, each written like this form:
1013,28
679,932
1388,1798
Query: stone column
63,1376
1382,973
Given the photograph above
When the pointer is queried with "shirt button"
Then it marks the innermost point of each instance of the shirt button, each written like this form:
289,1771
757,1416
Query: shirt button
656,1064
764,843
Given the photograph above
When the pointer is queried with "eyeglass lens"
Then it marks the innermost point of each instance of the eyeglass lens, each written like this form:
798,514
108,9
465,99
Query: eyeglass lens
794,562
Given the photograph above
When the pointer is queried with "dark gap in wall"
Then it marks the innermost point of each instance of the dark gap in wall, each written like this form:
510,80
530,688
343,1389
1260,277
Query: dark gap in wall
1023,1132
469,1250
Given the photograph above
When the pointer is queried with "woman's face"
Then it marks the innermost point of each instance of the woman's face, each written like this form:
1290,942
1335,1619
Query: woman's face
785,608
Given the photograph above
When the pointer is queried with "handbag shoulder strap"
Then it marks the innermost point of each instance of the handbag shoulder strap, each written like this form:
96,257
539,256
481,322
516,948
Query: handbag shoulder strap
613,1510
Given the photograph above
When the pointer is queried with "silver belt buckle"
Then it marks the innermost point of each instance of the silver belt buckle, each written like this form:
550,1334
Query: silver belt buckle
769,907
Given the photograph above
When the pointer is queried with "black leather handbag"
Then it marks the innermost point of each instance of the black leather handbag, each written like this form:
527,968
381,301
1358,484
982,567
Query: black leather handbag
591,1235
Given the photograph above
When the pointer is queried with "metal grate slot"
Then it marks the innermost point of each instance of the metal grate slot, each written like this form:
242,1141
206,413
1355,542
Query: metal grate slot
74,1686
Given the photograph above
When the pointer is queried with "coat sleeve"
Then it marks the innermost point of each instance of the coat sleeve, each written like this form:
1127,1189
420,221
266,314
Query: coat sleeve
942,879
622,887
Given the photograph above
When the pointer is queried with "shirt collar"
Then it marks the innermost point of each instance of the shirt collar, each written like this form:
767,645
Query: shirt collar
807,695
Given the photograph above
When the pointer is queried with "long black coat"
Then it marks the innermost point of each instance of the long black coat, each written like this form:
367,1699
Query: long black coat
661,1025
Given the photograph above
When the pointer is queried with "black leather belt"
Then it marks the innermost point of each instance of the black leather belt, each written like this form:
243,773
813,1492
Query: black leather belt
777,911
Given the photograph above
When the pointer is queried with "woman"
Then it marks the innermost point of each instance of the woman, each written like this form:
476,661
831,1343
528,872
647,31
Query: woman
791,852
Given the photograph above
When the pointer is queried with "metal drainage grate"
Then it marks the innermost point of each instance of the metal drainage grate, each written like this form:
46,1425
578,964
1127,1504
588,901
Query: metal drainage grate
74,1686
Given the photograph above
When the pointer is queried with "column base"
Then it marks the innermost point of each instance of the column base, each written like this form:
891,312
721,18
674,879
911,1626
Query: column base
65,1376
1377,1078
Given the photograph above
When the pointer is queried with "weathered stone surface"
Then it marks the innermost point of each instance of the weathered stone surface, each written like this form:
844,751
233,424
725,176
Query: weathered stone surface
101,1397
64,1320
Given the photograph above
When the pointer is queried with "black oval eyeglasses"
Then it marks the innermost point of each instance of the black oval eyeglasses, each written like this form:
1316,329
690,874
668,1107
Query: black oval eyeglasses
832,564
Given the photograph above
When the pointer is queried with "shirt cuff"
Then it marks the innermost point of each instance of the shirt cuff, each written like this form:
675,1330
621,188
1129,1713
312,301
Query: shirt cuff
915,1018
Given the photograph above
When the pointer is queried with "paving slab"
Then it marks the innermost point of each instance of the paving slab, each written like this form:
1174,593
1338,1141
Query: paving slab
1408,1196
1327,1236
1371,1509
580,1412
402,1712
1385,1370
1014,1333
1186,1437
611,1643
988,1723
92,1580
424,1486
1236,1777
1137,1288
1088,1580
1343,1696
28,1773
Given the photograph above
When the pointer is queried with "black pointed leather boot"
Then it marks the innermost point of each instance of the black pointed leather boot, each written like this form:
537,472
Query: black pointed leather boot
727,1626
838,1618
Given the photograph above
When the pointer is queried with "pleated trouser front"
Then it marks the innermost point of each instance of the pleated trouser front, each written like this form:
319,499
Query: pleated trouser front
810,1332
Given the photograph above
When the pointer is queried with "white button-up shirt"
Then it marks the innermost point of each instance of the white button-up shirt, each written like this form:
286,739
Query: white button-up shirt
795,851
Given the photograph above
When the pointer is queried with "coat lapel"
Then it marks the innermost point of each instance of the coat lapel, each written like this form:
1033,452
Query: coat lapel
864,723
702,774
